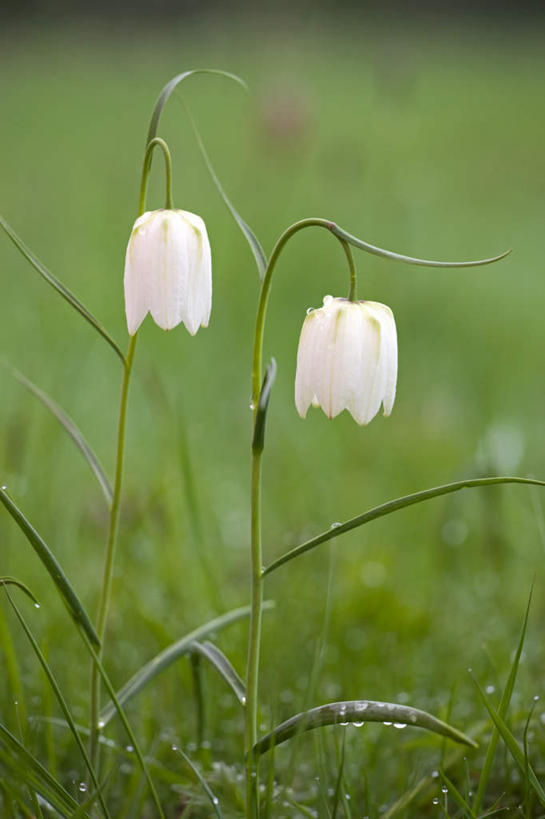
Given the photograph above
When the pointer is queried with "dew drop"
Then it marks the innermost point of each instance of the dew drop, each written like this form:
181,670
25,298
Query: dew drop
215,800
434,774
252,404
309,310
243,700
444,789
82,787
536,697
490,689
387,723
335,525
129,749
174,747
36,605
400,725
435,800
100,724
358,724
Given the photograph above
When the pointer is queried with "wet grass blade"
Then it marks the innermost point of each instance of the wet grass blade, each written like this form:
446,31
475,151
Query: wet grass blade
26,768
390,507
123,717
50,562
249,235
62,702
70,427
206,787
222,665
165,658
457,796
512,746
12,581
358,712
60,287
502,711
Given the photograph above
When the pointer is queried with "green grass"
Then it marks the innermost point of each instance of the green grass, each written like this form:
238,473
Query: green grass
428,142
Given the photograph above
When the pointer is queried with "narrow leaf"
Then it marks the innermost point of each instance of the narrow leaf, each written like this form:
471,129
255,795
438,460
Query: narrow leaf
206,787
50,562
393,506
399,257
263,404
12,581
70,427
457,796
222,665
62,702
502,711
512,745
28,769
249,235
178,649
60,287
357,712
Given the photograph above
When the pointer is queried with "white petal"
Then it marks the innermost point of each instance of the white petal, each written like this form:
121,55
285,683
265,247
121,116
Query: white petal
136,277
309,360
198,302
367,340
388,354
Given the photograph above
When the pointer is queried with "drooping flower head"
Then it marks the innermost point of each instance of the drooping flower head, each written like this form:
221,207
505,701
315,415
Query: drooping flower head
347,359
168,271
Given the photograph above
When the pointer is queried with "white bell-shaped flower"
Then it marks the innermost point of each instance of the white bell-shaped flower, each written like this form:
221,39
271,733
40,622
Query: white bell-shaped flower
347,359
168,271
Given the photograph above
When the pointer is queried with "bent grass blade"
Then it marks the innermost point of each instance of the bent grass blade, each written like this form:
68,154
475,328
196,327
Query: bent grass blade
206,787
166,657
72,430
60,287
357,712
393,506
50,562
219,661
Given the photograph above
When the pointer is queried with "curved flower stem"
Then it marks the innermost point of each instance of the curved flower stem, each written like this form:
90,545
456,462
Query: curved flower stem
155,142
353,293
106,593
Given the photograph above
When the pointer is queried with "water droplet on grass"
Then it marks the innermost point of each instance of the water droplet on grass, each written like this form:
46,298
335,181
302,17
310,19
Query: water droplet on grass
82,787
100,724
400,725
490,689
435,800
36,605
335,525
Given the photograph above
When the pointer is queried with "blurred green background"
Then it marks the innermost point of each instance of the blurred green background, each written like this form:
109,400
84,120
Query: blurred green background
425,139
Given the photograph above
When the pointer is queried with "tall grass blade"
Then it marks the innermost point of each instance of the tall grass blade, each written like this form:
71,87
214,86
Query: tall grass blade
393,506
512,745
249,235
12,581
62,702
166,657
26,768
60,287
198,694
455,794
502,711
70,427
206,787
222,665
358,711
50,562
132,738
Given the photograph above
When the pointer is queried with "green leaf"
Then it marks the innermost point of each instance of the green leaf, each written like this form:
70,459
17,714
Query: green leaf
357,712
249,235
502,711
12,581
166,657
393,506
26,768
50,562
70,427
206,787
59,287
512,745
222,665
263,404
62,702
399,257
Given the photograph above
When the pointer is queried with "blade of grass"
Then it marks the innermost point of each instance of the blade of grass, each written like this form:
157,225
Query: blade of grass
457,796
72,430
206,787
222,665
12,581
123,717
66,591
393,506
249,235
502,711
166,657
512,745
198,695
26,768
358,711
59,287
60,699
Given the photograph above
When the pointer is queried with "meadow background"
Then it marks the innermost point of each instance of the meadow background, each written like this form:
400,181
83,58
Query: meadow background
426,139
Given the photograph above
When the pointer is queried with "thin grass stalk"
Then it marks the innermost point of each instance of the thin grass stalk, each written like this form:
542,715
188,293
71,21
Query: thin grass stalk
106,592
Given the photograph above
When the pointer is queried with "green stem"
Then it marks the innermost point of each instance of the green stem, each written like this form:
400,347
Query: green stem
154,143
353,293
252,672
106,593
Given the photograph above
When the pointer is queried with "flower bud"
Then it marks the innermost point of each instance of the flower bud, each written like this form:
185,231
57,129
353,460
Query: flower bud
168,271
347,359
